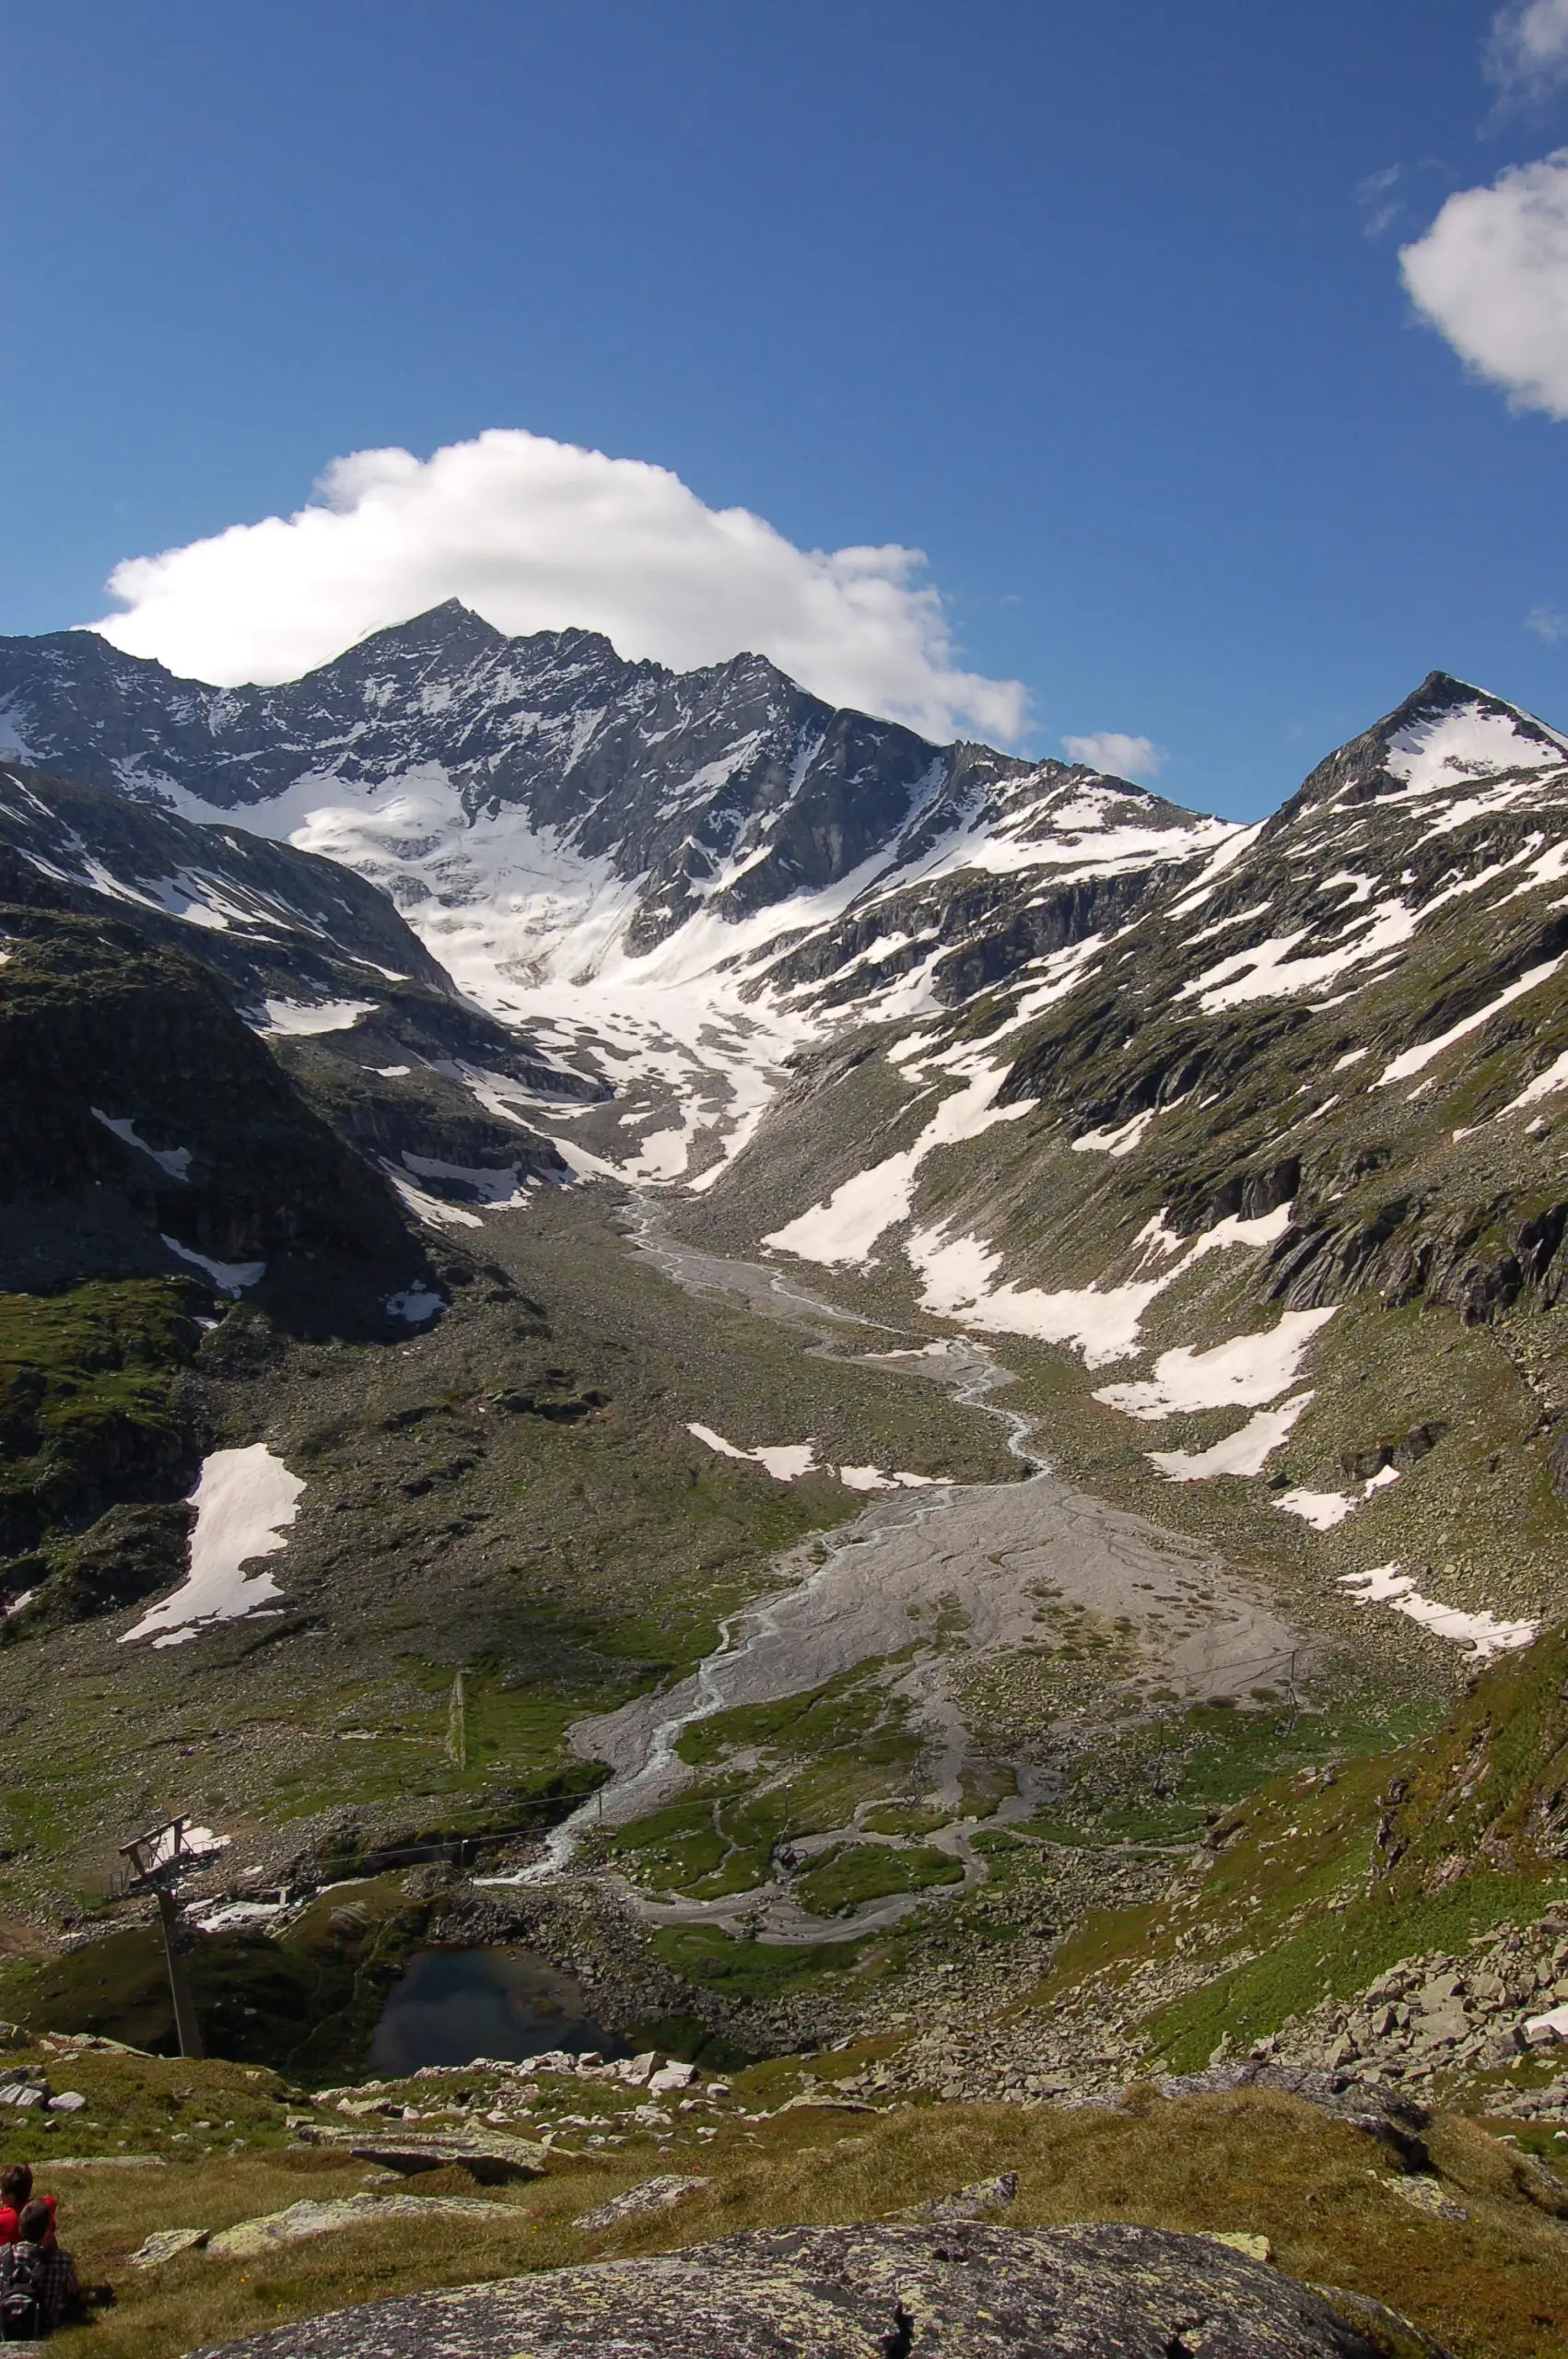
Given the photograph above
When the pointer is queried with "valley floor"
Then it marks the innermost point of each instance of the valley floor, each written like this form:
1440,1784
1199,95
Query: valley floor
857,1753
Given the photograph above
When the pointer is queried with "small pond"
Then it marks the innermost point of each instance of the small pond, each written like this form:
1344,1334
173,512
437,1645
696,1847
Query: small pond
452,2005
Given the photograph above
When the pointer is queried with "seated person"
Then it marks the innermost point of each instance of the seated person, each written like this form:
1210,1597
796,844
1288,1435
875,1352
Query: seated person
37,2280
15,2189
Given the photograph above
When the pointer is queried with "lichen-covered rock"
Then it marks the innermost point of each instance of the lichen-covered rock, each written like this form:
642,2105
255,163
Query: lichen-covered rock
874,2292
659,2194
986,2195
489,2156
168,2244
249,2237
1245,2241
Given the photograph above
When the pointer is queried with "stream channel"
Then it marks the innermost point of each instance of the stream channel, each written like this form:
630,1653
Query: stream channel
984,1554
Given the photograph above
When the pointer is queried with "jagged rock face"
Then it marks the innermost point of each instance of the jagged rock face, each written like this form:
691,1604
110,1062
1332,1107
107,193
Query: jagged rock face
136,1109
865,2293
678,877
729,787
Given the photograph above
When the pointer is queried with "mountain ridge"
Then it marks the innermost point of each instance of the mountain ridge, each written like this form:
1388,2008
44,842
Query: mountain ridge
615,857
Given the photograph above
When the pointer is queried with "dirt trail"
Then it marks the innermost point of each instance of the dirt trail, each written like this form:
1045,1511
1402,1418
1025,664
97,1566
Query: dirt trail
984,1561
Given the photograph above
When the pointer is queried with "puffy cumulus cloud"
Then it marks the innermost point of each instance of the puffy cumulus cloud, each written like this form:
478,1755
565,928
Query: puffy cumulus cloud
1527,53
1107,749
540,536
1491,275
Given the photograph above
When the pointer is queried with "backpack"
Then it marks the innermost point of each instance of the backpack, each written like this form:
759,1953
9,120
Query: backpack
21,2294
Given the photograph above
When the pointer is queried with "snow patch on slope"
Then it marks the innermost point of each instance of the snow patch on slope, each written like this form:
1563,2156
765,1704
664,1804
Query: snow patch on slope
1555,1077
415,1304
1483,1634
959,1280
1245,1452
787,1463
1468,742
1322,1510
232,1277
174,1160
297,1019
497,1187
1103,1322
1116,1142
432,1210
1277,969
1247,1369
244,1503
791,1461
1415,1060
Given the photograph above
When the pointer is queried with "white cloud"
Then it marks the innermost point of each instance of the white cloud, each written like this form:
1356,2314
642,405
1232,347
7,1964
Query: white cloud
1491,275
1549,623
1107,749
540,536
1527,53
1380,207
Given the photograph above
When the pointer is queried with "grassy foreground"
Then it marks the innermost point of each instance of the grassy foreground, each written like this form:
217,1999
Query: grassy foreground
1490,2279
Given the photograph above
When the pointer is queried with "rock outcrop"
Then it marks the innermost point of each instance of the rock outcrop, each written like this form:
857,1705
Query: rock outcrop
888,2292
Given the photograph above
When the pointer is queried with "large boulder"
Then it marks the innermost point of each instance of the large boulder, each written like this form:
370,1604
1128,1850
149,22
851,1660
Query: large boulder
884,2292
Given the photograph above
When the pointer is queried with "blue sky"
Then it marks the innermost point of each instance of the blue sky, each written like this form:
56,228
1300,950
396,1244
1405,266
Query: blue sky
1081,302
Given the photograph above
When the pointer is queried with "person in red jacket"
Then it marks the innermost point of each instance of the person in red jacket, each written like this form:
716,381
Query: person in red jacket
39,2289
16,2190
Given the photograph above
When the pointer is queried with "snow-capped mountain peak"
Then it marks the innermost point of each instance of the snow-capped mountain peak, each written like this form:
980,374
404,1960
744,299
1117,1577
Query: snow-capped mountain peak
1444,740
674,879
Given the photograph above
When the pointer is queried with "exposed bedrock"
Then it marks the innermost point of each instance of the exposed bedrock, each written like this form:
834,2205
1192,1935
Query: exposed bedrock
877,2292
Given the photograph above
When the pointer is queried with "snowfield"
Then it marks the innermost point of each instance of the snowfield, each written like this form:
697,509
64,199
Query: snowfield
1483,1634
541,933
232,1277
244,1503
1461,745
1246,1452
1246,1370
787,1463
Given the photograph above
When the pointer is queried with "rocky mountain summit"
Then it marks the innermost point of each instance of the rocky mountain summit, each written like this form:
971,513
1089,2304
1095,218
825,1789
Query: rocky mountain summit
726,792
672,879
